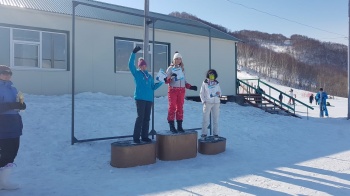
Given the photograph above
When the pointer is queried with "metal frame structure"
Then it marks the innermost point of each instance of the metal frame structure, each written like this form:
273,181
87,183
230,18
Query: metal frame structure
349,61
148,20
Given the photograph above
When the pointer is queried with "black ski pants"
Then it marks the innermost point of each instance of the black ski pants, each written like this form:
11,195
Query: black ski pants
143,117
8,150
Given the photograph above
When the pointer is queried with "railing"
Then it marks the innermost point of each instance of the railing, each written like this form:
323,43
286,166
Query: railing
249,88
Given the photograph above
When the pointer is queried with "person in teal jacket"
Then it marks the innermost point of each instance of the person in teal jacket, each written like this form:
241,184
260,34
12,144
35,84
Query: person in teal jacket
322,96
144,92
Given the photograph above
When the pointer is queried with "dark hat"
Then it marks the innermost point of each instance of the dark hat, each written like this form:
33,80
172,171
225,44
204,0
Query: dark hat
321,89
5,69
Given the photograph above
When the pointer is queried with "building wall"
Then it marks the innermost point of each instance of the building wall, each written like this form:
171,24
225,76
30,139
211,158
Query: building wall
94,56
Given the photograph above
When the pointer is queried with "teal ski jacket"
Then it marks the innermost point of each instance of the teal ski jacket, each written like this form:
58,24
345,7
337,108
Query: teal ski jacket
144,82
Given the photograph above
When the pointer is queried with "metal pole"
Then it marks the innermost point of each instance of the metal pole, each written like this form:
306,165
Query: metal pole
210,117
153,131
236,68
146,34
73,70
349,62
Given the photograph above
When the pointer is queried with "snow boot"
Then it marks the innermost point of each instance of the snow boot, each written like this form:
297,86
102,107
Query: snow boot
146,139
172,127
5,173
179,126
216,137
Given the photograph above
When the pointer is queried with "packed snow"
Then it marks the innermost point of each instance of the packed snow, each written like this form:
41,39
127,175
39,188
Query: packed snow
266,154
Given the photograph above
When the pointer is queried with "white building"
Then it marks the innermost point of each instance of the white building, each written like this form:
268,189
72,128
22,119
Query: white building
36,42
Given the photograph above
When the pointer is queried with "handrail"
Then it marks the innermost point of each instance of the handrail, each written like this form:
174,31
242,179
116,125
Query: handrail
287,95
275,100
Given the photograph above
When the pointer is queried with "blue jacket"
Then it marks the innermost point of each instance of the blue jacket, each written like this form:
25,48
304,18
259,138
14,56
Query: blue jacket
321,97
10,121
144,82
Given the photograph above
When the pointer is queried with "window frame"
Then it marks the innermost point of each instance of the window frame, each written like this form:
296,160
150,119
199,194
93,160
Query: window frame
140,42
40,46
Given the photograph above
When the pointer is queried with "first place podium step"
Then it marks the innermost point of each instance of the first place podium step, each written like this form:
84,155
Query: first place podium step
178,146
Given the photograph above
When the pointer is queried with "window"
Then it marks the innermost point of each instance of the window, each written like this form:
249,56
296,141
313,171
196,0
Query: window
54,51
33,48
124,47
5,46
26,55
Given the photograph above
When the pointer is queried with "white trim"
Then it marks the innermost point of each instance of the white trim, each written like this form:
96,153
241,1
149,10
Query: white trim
12,54
40,61
26,43
36,43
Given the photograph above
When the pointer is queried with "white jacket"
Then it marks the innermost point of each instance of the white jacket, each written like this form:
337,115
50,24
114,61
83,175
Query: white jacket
208,92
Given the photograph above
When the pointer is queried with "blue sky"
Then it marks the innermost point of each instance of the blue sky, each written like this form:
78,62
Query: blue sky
325,20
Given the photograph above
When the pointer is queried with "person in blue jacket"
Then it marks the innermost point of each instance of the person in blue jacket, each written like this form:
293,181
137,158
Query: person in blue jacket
321,97
143,95
10,126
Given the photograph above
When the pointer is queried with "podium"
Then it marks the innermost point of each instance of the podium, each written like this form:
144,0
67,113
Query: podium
129,154
176,146
212,146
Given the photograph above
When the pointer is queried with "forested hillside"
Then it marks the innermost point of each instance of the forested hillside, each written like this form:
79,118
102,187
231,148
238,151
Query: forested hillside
296,61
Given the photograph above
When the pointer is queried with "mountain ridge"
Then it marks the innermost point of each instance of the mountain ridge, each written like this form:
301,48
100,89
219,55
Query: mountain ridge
296,61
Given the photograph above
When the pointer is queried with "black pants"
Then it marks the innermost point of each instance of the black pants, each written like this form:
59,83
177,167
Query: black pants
143,117
8,150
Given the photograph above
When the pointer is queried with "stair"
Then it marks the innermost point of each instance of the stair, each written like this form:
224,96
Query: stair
259,101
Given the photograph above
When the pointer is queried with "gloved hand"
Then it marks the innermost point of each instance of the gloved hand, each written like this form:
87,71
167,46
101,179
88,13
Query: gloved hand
165,80
174,74
194,88
13,105
22,106
136,49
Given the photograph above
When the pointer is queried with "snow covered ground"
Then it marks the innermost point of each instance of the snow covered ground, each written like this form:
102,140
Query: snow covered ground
266,154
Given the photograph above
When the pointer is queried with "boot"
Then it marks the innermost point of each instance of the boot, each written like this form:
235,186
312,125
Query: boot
179,126
5,173
172,127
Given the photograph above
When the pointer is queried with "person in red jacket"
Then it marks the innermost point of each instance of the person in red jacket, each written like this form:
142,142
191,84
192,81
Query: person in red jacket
176,92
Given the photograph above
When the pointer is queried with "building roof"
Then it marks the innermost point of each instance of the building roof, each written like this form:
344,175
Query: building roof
119,14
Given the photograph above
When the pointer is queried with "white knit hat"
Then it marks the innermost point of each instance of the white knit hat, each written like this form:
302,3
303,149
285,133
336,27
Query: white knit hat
177,55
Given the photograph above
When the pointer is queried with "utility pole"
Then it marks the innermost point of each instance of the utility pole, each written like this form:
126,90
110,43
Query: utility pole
146,34
348,61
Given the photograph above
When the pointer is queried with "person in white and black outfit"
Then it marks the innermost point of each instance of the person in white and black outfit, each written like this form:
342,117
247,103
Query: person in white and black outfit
210,94
10,126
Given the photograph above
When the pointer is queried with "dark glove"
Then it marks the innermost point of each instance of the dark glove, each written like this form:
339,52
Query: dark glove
165,79
11,106
22,106
136,49
194,88
18,105
174,74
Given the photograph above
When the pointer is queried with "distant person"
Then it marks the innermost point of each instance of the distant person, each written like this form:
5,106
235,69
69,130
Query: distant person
316,99
143,95
280,97
11,125
311,98
210,94
322,101
176,92
259,91
291,97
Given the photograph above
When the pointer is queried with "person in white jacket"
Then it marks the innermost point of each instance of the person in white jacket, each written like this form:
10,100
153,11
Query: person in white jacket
210,94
